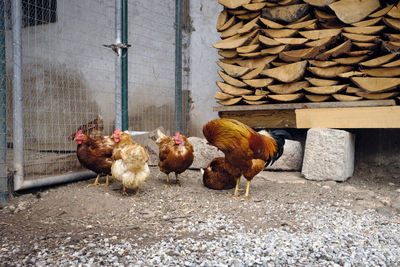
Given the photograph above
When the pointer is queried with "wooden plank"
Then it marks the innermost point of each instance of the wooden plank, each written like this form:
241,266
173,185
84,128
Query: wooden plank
366,103
263,118
355,117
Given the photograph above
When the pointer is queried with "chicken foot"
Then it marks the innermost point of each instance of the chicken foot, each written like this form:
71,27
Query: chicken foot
236,194
168,184
96,182
107,181
177,179
247,189
124,193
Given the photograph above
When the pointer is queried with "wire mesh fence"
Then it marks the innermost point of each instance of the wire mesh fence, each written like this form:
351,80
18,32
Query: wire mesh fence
3,109
69,76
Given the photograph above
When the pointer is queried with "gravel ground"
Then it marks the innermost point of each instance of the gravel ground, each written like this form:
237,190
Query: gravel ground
287,222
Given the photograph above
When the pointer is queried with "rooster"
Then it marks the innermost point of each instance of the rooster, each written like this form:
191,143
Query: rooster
246,151
215,176
129,162
175,154
94,153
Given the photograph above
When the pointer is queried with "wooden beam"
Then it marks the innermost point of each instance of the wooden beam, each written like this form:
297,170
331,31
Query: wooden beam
285,118
364,103
354,117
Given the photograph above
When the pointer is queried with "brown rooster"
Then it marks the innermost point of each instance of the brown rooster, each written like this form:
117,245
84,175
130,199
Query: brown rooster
246,151
175,154
215,176
95,154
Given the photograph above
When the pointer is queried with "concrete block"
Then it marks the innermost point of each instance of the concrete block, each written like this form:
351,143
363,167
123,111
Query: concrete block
328,155
203,153
291,158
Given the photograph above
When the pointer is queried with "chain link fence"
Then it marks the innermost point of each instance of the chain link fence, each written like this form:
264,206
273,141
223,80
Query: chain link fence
69,76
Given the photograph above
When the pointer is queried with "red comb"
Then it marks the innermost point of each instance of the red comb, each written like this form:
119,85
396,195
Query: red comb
177,134
117,131
78,133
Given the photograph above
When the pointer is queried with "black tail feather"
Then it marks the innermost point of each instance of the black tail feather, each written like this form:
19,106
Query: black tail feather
279,136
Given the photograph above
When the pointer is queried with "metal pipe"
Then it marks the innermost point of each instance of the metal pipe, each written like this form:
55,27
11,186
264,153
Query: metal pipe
17,92
65,178
118,65
124,78
178,65
3,111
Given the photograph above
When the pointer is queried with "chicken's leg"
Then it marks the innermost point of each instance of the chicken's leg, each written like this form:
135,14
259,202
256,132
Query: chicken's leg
124,193
168,180
107,181
236,194
177,179
247,189
96,182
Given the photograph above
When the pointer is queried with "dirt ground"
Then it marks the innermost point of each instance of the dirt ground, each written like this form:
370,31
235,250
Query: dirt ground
69,213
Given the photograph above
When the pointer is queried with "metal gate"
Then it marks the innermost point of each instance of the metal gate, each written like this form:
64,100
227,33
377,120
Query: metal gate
67,80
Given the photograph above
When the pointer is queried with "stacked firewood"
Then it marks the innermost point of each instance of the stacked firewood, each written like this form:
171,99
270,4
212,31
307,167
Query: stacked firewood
308,50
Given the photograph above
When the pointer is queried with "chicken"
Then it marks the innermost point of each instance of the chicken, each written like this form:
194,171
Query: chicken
175,154
246,151
129,162
215,176
93,128
95,154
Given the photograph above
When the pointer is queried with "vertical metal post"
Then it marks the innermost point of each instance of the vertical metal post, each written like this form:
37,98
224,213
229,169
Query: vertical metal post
118,65
178,65
17,90
3,110
124,72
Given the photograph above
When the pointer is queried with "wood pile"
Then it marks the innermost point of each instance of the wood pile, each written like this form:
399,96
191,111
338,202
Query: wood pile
308,50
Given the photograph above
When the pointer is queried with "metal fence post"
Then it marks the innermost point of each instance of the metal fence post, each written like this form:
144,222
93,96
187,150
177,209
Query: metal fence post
3,111
178,65
124,77
18,115
118,66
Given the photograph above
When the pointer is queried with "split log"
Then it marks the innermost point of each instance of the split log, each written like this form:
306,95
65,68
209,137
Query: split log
346,98
392,47
324,42
232,61
254,73
350,74
382,12
321,82
231,53
365,45
231,31
222,18
233,3
364,30
287,73
378,96
228,24
258,83
233,70
323,16
322,64
287,88
394,12
273,50
366,23
299,54
292,41
382,72
249,26
320,34
376,85
247,48
254,97
256,102
360,37
350,60
359,53
230,80
395,63
271,24
232,90
317,98
286,98
351,11
268,41
301,25
326,90
378,61
329,72
249,16
254,6
286,14
222,96
230,102
319,3
255,62
352,90
393,23
279,33
235,41
336,51
261,92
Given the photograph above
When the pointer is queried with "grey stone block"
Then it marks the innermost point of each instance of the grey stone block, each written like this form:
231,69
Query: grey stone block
291,158
328,155
203,153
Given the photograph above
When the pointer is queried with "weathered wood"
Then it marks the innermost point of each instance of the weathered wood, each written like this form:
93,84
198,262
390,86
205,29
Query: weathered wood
366,23
364,30
320,34
287,88
352,90
232,61
330,72
299,54
258,83
317,98
378,117
261,92
321,82
254,6
222,96
247,48
233,90
231,31
365,45
292,41
287,97
254,73
235,41
271,24
326,90
319,3
393,47
229,102
255,102
349,60
233,70
360,37
249,15
322,64
324,42
359,53
342,97
393,23
378,60
287,73
336,51
395,63
301,25
254,97
351,11
249,26
228,24
233,3
376,85
230,80
279,33
231,53
382,72
395,12
377,96
382,12
255,62
222,18
273,50
350,74
268,41
367,103
323,16
263,118
286,14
